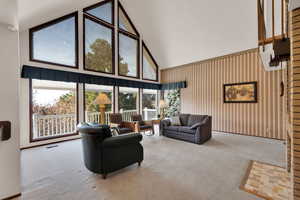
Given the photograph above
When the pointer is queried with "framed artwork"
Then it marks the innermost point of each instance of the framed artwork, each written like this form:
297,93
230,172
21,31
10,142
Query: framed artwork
240,92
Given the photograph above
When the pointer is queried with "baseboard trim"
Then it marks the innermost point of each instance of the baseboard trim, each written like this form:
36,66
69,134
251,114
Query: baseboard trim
243,134
12,197
40,145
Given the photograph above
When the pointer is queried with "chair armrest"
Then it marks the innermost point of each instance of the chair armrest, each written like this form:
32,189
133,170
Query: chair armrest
122,140
131,125
199,124
148,122
165,122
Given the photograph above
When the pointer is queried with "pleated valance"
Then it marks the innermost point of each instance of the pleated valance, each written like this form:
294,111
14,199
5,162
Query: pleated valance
76,77
173,86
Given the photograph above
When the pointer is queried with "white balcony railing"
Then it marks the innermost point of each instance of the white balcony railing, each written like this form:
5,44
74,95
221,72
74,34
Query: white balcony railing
47,126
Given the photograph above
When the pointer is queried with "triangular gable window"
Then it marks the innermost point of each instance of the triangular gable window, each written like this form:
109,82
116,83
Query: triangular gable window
125,23
103,11
150,67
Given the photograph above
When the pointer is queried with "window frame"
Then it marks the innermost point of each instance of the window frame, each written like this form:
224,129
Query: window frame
31,140
157,67
48,24
107,25
112,105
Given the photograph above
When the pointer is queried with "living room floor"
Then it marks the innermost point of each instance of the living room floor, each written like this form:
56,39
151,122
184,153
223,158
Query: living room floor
172,169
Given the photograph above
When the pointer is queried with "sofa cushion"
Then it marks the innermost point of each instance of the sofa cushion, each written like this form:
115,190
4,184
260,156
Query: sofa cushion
172,128
175,121
184,118
194,119
186,129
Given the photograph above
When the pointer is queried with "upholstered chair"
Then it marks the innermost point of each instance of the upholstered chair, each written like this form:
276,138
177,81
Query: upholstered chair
104,153
122,127
141,125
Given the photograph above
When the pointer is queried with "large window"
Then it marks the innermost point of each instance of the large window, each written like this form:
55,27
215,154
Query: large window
53,109
98,103
128,102
149,104
56,42
150,67
128,46
98,38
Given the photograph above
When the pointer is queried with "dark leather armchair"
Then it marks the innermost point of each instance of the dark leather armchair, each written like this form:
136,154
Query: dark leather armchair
142,126
122,127
104,154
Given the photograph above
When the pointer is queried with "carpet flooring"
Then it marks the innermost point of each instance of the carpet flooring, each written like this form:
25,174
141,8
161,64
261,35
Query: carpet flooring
172,170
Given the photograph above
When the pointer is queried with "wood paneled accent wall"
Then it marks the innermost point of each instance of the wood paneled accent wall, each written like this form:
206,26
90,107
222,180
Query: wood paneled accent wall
295,102
204,94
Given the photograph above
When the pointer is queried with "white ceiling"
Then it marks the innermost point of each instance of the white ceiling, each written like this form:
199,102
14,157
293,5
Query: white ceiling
177,32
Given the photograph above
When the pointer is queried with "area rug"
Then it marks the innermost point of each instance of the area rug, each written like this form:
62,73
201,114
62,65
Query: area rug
267,181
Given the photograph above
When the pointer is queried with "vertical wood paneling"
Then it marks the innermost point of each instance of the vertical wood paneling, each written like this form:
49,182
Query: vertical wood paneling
295,102
204,94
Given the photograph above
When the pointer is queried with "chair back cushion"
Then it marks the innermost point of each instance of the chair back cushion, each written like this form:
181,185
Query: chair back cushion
184,118
115,118
194,119
138,118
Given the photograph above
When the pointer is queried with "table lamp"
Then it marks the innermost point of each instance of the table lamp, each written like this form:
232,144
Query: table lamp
102,99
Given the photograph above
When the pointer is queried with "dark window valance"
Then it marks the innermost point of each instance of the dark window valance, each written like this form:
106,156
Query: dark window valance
173,86
75,77
58,75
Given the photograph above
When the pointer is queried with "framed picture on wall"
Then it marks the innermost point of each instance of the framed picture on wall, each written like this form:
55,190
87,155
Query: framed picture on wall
240,92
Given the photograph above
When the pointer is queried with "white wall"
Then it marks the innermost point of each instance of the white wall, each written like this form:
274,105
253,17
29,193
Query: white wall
24,91
9,111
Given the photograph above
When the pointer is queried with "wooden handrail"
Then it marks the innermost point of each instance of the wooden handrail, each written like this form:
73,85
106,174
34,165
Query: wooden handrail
261,21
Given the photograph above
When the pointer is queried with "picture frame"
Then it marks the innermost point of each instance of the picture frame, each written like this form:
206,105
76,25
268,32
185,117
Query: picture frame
244,92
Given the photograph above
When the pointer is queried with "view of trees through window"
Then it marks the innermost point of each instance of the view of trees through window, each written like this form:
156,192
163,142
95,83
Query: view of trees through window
98,47
128,99
54,108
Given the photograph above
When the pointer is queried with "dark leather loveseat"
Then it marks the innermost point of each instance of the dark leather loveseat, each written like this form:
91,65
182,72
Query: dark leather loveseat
194,128
104,153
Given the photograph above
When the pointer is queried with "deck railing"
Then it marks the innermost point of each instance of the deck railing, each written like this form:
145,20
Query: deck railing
47,126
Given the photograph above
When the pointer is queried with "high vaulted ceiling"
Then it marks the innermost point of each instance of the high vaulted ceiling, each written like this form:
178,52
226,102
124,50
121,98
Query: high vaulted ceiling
8,12
177,32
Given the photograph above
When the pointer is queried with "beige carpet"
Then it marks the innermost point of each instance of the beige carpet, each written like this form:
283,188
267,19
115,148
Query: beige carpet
172,169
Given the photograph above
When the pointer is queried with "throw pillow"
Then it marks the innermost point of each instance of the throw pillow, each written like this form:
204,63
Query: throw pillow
175,121
193,119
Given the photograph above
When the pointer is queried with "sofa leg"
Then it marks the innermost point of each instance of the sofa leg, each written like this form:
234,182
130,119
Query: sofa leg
104,176
140,163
